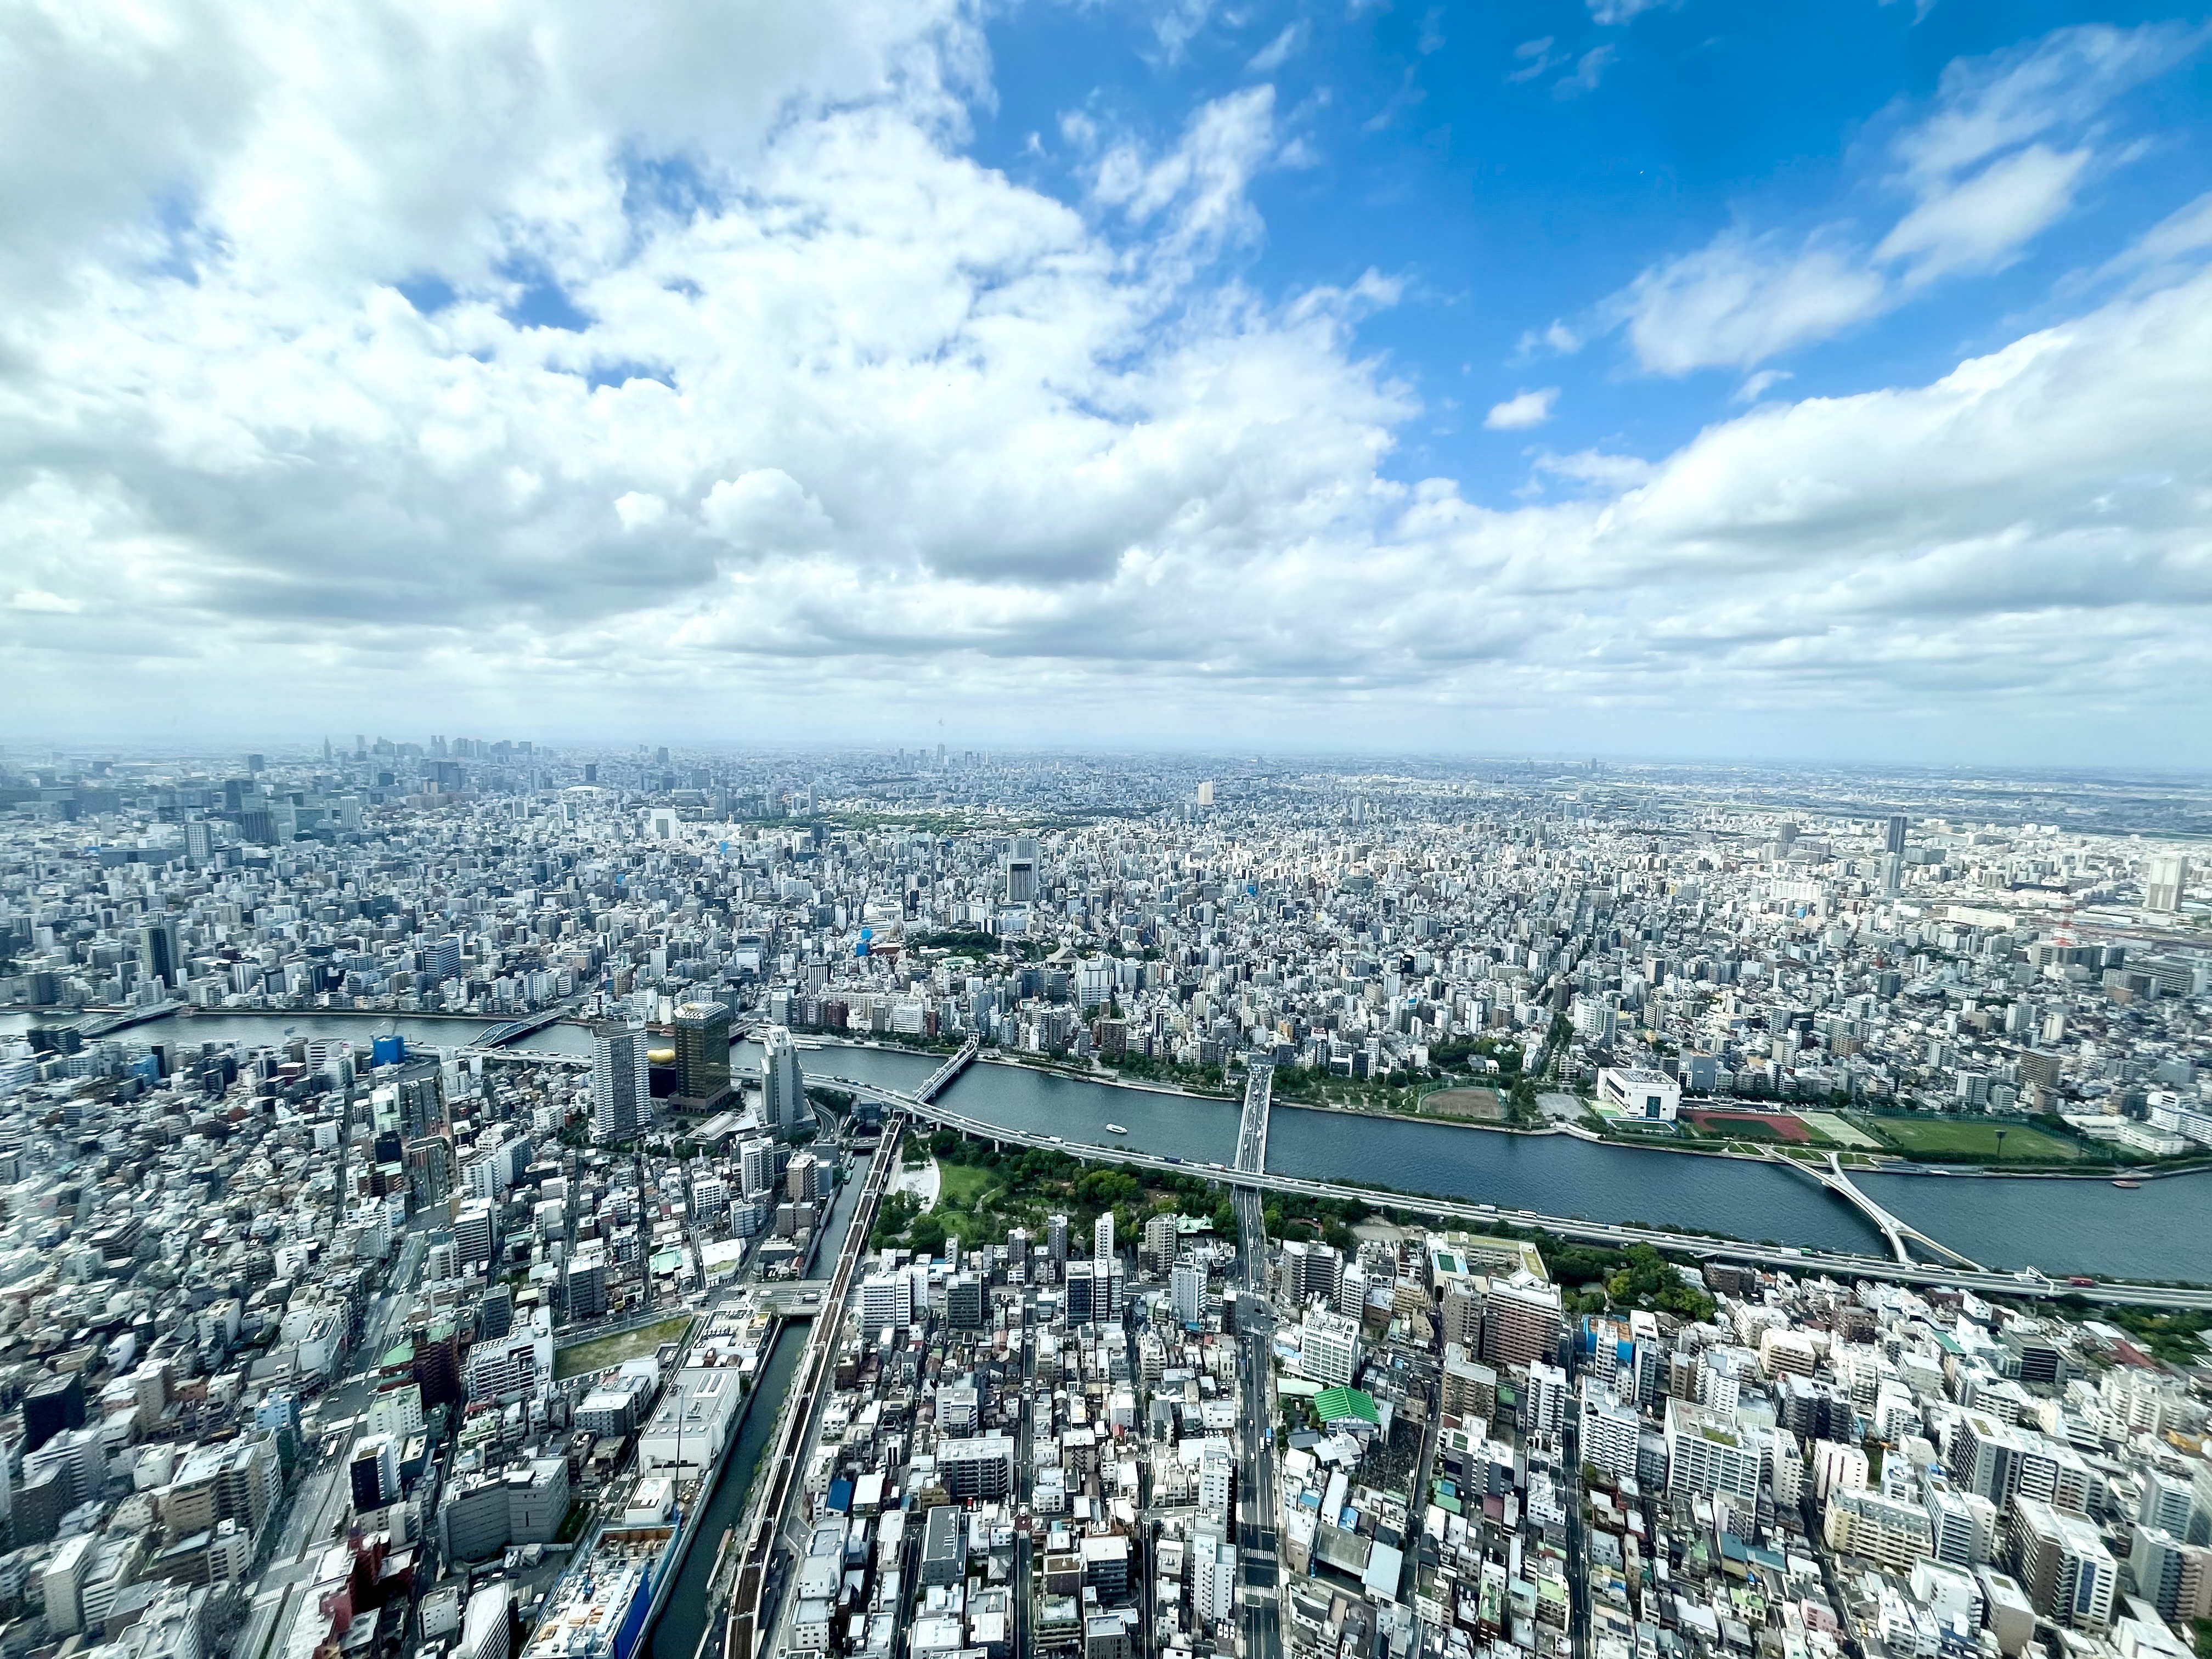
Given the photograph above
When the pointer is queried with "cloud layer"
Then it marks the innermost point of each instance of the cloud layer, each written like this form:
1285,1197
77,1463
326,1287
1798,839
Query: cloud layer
588,368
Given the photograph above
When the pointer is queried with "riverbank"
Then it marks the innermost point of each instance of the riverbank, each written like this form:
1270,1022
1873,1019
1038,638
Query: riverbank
2106,1174
1855,1160
1104,1076
2070,1220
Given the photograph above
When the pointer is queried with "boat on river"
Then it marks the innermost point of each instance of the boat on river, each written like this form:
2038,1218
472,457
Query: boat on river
1117,1128
2127,1185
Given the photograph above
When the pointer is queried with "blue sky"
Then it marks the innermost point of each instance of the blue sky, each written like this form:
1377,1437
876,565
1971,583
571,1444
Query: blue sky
1509,200
1602,377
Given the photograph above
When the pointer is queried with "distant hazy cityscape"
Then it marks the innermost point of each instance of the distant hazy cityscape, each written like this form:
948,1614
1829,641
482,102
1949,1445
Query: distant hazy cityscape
477,1197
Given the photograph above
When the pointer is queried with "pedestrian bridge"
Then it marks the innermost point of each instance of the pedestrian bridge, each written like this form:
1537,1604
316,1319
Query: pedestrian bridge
1898,1235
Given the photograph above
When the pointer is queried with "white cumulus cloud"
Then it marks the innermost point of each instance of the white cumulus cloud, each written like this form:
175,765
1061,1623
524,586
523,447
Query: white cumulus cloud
713,383
1742,298
1523,410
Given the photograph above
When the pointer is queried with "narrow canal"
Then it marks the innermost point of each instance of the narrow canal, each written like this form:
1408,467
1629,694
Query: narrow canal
683,1620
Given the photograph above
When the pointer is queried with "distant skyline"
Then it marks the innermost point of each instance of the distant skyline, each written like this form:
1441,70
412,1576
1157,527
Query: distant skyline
1688,380
287,751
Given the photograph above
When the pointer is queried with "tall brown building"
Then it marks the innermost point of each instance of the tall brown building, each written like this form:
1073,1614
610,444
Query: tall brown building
702,1057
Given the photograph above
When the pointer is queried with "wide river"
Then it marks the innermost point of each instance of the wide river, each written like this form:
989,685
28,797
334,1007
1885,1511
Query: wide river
2162,1231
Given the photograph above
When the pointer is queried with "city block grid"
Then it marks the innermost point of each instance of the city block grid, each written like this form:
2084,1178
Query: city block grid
341,1339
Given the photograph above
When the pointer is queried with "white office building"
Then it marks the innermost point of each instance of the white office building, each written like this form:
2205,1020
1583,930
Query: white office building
1328,1349
886,1298
1187,1291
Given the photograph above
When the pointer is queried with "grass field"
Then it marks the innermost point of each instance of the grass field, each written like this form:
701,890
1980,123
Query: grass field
1481,1105
959,1185
1970,1137
1752,1125
597,1356
1838,1130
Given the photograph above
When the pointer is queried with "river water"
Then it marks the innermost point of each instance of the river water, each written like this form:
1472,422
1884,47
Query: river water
2163,1230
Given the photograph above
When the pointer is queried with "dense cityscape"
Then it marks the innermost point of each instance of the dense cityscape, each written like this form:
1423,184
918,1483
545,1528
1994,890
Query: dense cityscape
1105,829
479,1198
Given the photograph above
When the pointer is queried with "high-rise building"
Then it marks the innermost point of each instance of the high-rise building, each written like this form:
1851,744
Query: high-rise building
965,1303
1522,1321
2069,1576
1962,1525
1328,1349
886,1298
1610,1434
54,1404
2172,1576
1186,1290
1893,842
375,1472
441,959
702,1056
760,1164
783,1086
977,1467
1212,1576
1101,1238
476,1231
1080,1310
160,955
1708,1450
1021,870
587,1284
1056,1239
1547,1401
1161,1236
805,1179
63,1585
2164,879
621,1088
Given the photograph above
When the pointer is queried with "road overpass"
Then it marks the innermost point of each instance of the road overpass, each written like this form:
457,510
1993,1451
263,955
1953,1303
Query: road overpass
1702,1246
791,1298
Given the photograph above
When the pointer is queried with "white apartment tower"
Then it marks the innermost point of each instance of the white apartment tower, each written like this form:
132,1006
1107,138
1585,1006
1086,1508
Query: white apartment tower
622,1088
783,1087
